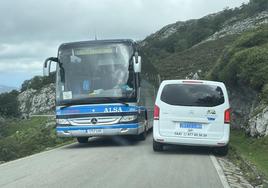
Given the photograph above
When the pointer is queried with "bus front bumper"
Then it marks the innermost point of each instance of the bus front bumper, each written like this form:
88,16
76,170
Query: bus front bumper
99,130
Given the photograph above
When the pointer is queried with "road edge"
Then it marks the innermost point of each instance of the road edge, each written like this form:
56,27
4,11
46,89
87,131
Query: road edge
220,172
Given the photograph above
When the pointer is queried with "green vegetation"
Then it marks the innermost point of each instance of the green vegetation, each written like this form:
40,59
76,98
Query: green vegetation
38,82
162,44
9,104
253,7
19,138
245,62
252,150
201,57
187,35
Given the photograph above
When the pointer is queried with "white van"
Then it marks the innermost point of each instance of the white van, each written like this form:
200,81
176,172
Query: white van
192,112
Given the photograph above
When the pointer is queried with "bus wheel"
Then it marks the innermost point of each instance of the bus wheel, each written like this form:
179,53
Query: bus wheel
158,146
82,140
142,136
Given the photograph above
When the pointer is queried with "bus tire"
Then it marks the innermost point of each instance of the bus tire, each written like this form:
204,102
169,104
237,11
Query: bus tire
142,136
82,140
157,146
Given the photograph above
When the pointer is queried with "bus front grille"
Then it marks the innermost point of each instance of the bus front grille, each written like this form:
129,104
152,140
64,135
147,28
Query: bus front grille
108,120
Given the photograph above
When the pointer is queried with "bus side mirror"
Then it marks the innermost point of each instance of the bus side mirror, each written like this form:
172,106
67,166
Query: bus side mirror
137,64
47,65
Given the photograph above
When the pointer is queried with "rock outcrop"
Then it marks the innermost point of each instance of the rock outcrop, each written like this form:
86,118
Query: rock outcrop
241,105
258,123
37,101
234,26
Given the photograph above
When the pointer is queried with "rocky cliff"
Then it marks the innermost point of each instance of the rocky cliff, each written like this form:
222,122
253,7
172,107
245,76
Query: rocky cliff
258,122
40,101
236,26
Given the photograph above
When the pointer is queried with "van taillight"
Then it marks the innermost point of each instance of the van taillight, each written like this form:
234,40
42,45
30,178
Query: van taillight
227,116
156,112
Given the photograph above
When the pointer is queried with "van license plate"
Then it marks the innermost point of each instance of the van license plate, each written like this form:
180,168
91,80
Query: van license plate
189,125
94,131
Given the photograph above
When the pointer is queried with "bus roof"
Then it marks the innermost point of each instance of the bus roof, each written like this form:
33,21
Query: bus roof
94,42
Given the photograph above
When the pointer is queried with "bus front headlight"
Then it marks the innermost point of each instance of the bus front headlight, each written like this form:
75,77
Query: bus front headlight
128,118
62,122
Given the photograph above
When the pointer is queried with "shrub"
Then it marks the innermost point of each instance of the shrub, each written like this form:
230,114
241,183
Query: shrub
38,82
245,62
9,105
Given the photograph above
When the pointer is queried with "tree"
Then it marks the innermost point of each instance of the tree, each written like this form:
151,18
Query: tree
9,105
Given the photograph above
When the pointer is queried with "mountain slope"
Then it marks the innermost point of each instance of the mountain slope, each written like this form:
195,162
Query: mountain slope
244,64
200,47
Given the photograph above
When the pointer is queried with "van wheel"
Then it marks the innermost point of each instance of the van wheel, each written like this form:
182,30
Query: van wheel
82,140
221,151
158,146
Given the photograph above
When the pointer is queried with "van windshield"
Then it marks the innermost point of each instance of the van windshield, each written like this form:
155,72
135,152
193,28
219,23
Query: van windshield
192,95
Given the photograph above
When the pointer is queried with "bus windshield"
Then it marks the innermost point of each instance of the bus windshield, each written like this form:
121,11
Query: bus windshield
95,73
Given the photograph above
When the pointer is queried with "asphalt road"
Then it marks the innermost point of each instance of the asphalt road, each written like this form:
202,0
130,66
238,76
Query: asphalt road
113,162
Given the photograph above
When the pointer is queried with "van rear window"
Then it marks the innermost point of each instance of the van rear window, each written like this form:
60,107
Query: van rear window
192,95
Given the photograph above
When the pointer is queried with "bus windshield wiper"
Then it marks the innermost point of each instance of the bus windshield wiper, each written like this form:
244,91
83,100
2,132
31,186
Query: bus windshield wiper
67,105
116,100
85,102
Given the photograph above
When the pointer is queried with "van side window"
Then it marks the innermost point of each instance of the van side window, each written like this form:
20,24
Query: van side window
192,95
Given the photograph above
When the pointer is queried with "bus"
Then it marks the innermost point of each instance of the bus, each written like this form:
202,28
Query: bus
101,90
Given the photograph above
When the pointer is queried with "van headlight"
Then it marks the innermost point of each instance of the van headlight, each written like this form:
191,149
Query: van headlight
128,118
62,122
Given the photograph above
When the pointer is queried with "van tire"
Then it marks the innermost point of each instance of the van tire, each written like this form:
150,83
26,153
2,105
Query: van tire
82,140
158,146
221,151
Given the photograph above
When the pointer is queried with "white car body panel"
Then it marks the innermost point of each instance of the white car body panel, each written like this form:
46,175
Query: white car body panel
192,125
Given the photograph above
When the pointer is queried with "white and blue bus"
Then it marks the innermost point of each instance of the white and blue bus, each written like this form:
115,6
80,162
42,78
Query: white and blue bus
100,90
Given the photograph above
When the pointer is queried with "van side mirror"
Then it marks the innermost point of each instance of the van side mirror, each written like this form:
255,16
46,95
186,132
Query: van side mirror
47,65
137,64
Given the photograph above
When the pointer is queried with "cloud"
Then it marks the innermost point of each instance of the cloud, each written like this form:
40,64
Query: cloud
60,20
26,50
32,30
21,66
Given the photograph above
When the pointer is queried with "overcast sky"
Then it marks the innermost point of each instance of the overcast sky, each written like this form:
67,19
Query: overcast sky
31,30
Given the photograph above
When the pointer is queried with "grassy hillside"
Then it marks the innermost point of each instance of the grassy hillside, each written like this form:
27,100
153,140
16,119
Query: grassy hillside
245,62
202,57
173,48
19,138
247,149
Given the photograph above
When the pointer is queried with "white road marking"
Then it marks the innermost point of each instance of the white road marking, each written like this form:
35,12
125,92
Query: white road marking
219,171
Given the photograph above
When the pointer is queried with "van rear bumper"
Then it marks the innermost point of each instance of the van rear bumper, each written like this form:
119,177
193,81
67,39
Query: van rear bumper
193,141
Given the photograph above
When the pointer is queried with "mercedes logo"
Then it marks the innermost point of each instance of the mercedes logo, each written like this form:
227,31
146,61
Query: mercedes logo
94,120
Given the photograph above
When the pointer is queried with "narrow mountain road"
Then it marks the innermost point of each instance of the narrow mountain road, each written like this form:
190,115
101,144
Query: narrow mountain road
113,162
